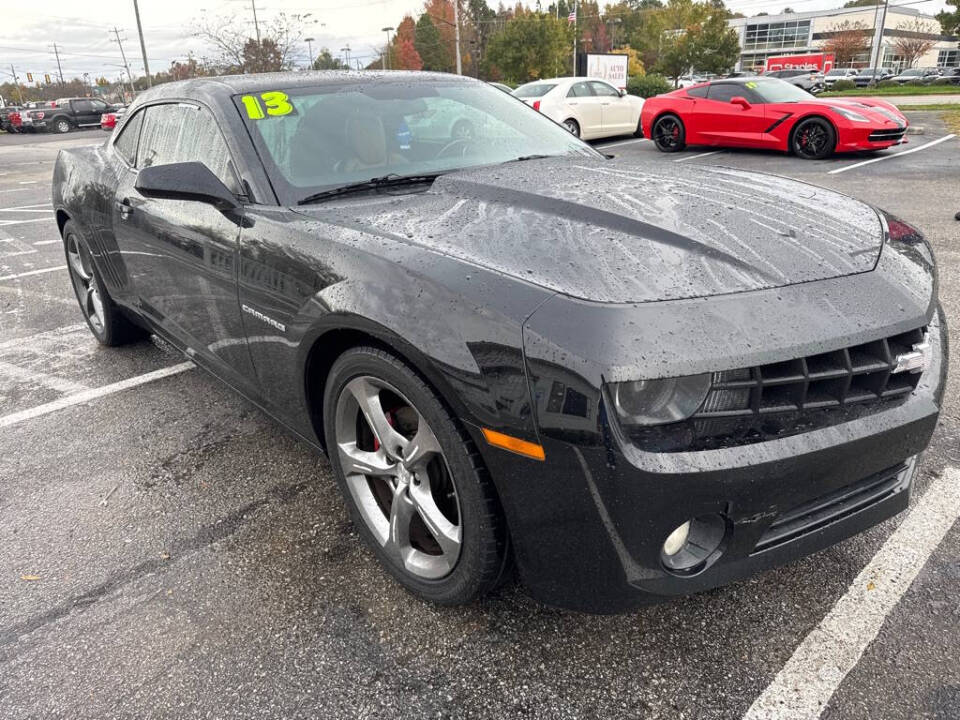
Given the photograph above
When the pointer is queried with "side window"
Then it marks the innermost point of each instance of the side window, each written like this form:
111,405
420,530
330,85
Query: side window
579,90
98,106
82,106
182,132
723,92
698,92
126,142
601,89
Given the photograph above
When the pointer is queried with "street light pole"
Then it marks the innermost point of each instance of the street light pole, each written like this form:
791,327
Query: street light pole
56,52
878,37
310,50
16,82
456,33
386,53
143,48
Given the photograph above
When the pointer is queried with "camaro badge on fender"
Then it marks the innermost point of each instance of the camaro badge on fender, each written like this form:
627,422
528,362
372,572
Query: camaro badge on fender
264,318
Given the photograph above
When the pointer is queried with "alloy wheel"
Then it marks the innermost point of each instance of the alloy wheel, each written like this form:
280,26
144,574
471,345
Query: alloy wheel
80,263
812,139
398,477
667,133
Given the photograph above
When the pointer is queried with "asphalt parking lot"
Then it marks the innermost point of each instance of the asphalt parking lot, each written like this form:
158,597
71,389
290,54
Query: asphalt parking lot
167,550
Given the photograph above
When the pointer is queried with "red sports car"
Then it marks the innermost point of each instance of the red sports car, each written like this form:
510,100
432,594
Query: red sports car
759,112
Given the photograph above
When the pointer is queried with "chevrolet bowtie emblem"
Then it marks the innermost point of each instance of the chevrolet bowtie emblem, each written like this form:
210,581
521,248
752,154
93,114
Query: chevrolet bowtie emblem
914,361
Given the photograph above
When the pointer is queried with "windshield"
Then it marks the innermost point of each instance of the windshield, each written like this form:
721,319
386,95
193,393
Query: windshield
777,91
912,72
534,90
317,138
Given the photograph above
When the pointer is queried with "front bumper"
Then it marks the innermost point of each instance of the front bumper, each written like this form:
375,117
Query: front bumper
871,137
589,522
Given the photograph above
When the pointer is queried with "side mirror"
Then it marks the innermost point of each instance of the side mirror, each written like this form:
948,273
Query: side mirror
185,181
623,92
741,101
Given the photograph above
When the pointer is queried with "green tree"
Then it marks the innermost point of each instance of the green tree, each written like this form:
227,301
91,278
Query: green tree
950,19
531,46
429,45
326,61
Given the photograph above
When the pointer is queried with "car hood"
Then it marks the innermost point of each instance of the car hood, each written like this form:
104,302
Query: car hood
611,231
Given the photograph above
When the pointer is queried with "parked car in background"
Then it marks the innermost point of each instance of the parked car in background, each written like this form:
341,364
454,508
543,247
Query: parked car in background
770,113
952,74
68,114
588,107
109,120
839,74
870,76
741,73
810,80
6,120
924,75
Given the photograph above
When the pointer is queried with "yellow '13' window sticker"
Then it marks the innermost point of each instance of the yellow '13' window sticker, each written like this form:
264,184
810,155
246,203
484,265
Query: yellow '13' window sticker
751,84
268,104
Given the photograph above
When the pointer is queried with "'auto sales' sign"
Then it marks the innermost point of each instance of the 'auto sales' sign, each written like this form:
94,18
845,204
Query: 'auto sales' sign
612,68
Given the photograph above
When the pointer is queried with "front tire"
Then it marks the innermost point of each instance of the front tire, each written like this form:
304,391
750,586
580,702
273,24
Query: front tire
572,126
414,483
813,139
669,134
106,321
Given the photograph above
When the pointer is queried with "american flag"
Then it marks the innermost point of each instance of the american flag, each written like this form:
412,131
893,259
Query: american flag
572,17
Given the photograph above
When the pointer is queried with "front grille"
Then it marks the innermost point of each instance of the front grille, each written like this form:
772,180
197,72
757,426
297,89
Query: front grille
834,506
860,374
887,135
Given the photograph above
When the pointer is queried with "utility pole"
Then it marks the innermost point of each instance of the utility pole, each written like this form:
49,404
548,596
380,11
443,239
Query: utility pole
256,25
56,52
386,53
310,50
878,36
116,33
16,83
575,21
346,56
143,48
456,33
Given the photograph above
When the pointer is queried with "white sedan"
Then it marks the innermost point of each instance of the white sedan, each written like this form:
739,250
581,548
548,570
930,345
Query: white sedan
587,107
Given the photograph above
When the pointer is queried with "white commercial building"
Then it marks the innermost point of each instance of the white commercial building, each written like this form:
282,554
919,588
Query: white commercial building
805,32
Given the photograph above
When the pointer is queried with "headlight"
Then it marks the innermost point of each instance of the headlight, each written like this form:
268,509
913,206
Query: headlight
655,402
850,114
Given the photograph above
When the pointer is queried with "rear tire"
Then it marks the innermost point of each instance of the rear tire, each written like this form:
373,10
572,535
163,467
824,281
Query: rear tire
813,139
434,522
104,318
62,125
639,131
669,134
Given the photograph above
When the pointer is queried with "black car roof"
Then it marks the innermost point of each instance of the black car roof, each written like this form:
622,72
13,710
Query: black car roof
221,88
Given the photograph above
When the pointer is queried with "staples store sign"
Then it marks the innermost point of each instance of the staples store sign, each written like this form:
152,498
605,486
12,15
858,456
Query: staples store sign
822,62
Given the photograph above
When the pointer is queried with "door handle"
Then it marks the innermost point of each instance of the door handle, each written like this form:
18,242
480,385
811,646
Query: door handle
126,207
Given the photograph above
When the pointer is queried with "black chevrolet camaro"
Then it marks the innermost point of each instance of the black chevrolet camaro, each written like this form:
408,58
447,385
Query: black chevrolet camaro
631,381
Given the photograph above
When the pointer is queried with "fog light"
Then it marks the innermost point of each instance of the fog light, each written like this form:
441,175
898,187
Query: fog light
676,540
695,545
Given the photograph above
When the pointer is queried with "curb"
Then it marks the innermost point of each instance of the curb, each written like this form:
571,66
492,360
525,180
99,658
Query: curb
916,130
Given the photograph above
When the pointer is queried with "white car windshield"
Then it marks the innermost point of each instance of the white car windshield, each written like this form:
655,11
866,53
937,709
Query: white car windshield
534,90
313,139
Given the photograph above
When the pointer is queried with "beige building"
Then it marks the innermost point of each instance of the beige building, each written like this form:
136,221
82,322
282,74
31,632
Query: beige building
805,32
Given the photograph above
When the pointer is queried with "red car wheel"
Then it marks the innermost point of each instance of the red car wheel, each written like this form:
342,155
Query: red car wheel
814,139
669,134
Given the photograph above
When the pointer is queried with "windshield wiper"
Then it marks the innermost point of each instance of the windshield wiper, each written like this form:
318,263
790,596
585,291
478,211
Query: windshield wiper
390,180
529,157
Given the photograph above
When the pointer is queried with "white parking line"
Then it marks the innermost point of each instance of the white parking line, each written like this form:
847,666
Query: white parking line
24,222
33,272
894,155
804,686
93,394
694,157
29,182
47,242
624,142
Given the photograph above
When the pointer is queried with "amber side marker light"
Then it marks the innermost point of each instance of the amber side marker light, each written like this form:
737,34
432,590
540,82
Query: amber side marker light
508,442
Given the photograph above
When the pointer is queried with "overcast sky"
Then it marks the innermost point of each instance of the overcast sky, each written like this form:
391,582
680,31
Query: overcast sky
82,28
